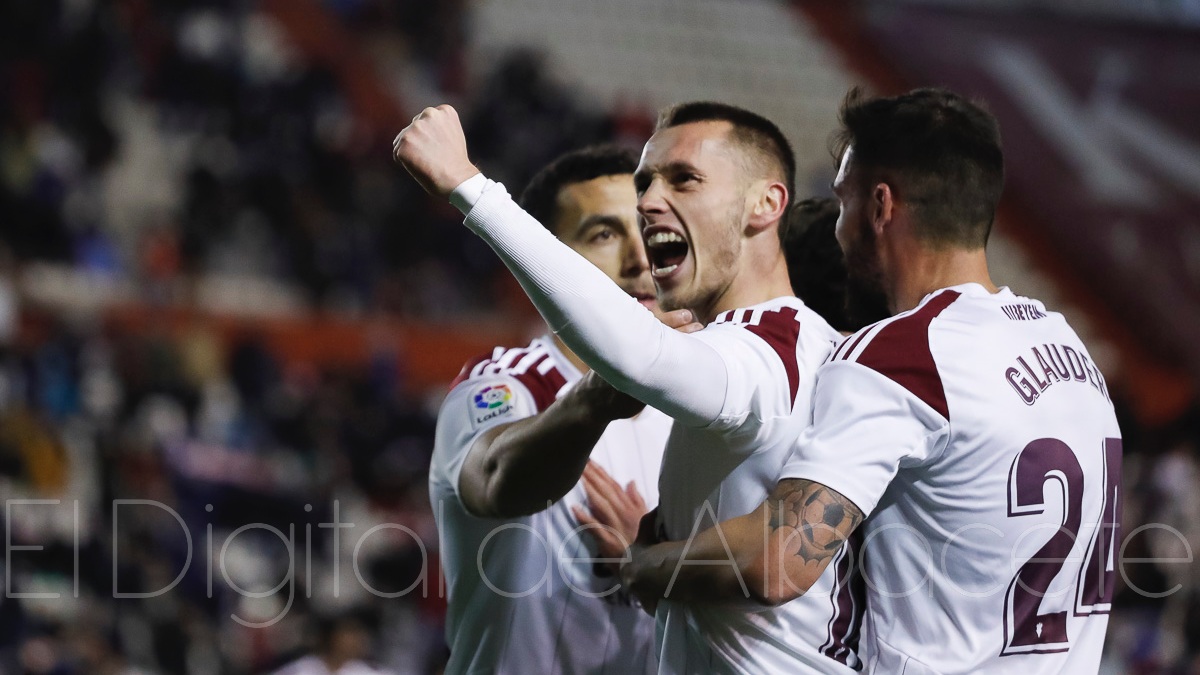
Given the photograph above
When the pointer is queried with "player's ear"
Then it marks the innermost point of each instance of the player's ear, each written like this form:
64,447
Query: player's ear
770,204
882,206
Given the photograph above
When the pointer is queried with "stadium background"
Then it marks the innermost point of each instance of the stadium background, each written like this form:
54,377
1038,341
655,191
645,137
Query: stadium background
218,295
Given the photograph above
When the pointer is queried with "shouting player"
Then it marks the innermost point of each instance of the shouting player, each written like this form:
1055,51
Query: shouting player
713,187
514,436
972,432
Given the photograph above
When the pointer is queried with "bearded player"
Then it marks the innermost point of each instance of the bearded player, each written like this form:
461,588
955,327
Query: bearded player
970,439
713,186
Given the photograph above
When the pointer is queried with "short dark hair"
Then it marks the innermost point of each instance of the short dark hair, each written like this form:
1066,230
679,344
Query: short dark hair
938,150
540,198
749,129
817,266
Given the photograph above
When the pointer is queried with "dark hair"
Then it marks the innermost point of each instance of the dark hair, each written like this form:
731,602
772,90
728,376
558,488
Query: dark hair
937,150
749,129
540,198
817,267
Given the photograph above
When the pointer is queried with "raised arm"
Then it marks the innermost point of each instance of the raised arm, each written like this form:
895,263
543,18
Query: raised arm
679,374
767,557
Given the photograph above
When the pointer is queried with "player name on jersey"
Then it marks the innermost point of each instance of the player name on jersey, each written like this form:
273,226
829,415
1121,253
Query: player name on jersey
1023,312
1050,364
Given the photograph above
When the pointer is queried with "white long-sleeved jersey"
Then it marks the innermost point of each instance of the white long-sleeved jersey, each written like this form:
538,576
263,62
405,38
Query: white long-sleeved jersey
739,391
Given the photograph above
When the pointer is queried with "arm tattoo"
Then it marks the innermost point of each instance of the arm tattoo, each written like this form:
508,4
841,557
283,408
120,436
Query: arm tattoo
822,517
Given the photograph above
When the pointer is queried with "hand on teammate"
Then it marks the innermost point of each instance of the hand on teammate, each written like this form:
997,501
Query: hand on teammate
612,515
681,320
434,150
620,525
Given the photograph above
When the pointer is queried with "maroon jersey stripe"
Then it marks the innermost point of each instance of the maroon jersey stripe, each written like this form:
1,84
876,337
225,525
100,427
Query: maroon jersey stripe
900,352
781,329
465,373
849,601
544,387
849,345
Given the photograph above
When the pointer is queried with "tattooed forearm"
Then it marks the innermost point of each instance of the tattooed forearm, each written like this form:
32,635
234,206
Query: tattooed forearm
821,518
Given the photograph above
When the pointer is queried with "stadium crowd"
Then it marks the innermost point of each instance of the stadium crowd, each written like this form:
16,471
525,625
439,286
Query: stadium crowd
273,175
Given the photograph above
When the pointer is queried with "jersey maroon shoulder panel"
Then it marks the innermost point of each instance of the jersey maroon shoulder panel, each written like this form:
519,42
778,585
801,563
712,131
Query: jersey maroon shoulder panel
780,328
900,352
465,373
532,367
543,386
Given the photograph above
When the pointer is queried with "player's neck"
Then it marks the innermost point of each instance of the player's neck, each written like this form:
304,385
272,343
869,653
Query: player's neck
926,271
761,278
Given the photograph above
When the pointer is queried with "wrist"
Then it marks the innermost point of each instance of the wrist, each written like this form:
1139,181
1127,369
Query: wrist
629,569
638,571
595,403
455,179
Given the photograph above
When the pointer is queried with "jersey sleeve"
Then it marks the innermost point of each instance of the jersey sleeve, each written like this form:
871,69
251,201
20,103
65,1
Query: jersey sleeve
679,374
761,376
865,428
472,407
880,405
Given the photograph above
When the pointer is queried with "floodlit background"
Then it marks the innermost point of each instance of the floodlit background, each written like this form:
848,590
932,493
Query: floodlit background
219,298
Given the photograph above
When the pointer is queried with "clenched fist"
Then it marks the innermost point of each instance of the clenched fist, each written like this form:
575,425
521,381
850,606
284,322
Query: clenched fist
434,150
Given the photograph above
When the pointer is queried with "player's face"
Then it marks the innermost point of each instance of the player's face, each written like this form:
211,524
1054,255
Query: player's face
598,218
692,202
864,283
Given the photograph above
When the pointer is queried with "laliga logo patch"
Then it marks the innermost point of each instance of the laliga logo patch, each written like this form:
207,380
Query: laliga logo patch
493,396
491,402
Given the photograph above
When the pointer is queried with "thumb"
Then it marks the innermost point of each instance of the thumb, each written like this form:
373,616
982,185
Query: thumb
677,318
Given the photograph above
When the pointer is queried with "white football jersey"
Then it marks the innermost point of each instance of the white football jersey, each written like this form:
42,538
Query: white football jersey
739,391
727,469
977,433
523,593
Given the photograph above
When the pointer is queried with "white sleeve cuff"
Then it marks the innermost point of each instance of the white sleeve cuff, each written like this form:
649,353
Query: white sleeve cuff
468,193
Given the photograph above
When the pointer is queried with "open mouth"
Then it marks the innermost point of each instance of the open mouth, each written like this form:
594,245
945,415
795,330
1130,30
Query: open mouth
667,250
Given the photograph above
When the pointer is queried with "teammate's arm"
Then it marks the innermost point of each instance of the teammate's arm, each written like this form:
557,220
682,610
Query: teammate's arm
769,556
519,468
682,376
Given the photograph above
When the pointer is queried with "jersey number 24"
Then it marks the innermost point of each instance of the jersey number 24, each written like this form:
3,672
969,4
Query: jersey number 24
1026,629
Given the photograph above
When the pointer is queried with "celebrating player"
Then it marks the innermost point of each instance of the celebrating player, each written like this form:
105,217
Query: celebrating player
973,429
514,435
713,186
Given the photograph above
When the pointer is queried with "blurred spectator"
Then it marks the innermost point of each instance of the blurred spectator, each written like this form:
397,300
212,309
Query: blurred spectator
342,644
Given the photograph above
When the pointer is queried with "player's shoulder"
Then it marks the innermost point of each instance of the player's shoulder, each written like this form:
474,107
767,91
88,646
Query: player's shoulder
898,348
780,321
784,326
540,367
